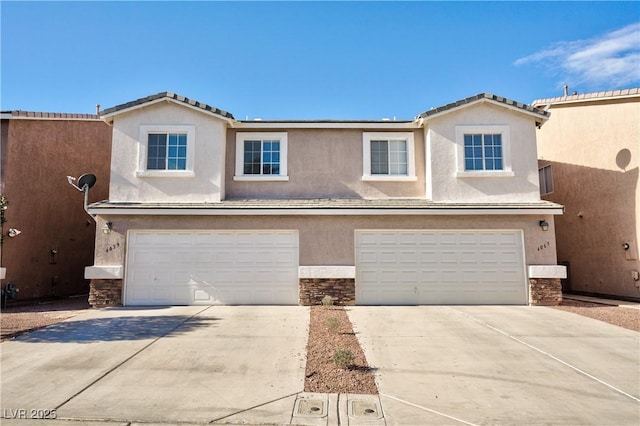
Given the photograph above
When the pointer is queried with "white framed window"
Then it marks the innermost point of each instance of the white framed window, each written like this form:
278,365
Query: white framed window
546,179
388,156
483,151
166,150
261,156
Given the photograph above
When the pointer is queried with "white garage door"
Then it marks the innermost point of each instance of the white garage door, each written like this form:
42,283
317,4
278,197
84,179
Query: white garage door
420,267
212,267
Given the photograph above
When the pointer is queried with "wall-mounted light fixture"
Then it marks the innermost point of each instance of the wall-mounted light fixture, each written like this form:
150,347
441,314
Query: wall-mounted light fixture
107,227
626,246
544,225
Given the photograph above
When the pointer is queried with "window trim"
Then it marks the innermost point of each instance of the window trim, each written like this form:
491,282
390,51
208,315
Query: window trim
241,137
367,137
143,150
548,182
503,130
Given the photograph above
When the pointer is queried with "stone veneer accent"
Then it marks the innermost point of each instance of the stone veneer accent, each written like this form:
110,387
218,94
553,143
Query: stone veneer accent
108,292
545,291
105,293
341,290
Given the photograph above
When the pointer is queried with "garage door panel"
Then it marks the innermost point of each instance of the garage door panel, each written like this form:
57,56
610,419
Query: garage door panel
397,296
389,277
490,258
509,258
448,239
428,276
369,257
440,267
409,276
469,257
408,257
427,257
153,257
212,267
152,295
388,257
450,257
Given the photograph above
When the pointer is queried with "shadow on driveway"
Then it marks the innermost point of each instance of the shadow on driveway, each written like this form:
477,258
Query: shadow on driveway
125,328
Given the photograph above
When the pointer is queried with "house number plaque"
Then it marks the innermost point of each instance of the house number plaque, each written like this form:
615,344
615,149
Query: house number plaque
543,246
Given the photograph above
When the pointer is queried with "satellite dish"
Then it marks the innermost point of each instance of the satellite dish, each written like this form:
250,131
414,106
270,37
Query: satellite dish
87,179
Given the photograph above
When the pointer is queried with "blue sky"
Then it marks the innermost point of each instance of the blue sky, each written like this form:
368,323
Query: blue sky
312,60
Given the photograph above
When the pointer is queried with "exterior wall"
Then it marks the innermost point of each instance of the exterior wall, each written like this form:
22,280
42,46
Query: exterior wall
325,163
57,240
594,150
443,185
328,240
206,186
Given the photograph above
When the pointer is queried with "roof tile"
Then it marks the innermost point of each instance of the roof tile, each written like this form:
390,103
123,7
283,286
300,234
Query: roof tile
51,115
168,95
482,96
588,96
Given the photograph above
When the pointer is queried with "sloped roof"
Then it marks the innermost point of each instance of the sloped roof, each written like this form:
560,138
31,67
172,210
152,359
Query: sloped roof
586,97
48,115
161,96
483,97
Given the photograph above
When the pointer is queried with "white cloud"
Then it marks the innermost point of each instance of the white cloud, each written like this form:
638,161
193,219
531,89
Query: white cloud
609,61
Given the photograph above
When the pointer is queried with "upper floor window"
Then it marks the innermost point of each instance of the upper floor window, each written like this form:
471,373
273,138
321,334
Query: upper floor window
261,156
546,179
166,150
388,156
483,151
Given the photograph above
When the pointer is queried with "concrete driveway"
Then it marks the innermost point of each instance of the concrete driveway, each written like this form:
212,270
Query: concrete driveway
176,364
500,365
245,364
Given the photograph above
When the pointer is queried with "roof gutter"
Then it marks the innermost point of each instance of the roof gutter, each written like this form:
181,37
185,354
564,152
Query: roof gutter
434,211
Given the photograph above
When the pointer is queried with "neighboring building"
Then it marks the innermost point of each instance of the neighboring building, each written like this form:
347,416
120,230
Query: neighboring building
207,209
37,152
589,157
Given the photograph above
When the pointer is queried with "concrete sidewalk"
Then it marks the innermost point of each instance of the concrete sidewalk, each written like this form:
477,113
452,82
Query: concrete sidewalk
500,365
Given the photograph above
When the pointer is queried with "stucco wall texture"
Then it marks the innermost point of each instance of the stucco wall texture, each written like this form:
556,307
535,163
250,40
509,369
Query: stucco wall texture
328,240
325,163
57,240
594,150
523,186
205,186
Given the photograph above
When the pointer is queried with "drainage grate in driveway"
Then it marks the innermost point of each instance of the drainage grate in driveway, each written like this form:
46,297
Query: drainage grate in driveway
364,408
332,408
311,405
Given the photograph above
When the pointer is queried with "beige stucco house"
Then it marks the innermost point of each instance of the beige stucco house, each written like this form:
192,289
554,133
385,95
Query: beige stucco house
441,209
589,157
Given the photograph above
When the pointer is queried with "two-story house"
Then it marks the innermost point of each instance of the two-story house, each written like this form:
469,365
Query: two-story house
441,209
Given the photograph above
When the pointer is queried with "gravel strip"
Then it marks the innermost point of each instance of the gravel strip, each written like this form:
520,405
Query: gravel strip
15,320
331,330
616,315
